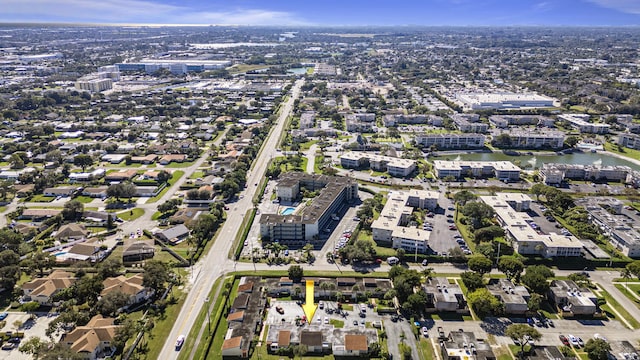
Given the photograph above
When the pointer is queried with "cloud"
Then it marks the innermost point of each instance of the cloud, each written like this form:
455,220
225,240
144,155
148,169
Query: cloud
625,6
135,11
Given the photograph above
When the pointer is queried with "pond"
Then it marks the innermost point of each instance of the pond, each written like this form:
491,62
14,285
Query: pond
536,161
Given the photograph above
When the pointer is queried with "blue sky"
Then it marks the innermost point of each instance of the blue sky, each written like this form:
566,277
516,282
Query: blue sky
327,12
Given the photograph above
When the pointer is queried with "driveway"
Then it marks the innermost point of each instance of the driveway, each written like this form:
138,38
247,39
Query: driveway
31,328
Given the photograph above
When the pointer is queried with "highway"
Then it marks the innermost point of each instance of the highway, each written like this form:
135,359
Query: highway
216,262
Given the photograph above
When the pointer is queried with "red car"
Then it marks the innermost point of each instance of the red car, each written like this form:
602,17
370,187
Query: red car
564,340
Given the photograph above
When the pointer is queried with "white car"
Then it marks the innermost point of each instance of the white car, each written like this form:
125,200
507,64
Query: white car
573,340
598,336
326,320
425,332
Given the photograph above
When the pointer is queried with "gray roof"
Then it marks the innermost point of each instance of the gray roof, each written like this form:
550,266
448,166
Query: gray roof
175,232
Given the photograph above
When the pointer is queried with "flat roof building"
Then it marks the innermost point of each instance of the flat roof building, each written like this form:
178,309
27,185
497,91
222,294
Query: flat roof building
556,173
513,297
391,229
535,139
569,297
451,141
503,100
511,213
297,230
396,167
579,121
622,232
503,170
444,296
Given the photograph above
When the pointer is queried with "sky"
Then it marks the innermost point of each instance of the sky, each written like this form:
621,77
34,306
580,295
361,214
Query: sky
327,12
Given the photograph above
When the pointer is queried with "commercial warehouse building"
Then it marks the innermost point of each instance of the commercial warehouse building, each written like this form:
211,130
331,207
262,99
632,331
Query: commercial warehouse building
505,100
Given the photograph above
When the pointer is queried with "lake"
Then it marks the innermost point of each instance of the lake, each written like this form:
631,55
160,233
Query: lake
526,161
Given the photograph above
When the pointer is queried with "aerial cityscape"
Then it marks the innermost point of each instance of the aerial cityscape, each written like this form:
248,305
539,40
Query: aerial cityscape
435,180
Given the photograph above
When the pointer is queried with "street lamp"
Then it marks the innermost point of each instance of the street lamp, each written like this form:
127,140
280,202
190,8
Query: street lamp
206,300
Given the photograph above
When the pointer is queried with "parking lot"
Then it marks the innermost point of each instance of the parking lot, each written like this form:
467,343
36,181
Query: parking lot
442,238
31,328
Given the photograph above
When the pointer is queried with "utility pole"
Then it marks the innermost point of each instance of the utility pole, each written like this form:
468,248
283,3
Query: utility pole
498,256
206,301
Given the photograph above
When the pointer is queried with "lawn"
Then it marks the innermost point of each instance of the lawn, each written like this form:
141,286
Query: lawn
628,292
318,164
196,174
163,325
84,199
425,349
630,153
241,68
612,303
41,198
131,214
175,176
174,165
338,324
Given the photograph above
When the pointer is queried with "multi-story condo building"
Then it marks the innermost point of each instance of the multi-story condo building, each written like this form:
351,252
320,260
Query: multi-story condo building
451,141
503,121
390,229
511,213
469,123
536,139
296,230
606,213
394,166
631,141
503,170
580,122
360,122
555,173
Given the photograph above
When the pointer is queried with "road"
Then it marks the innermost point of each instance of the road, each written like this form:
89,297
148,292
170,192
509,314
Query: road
216,263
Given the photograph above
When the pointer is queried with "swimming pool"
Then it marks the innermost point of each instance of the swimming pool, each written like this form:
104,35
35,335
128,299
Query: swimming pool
288,211
60,253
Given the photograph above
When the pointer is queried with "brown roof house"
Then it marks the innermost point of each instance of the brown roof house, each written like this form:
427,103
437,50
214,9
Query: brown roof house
235,347
131,286
71,231
167,159
85,251
94,340
312,339
43,289
138,250
354,345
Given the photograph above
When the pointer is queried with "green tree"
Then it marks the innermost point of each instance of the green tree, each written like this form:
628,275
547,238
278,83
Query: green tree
522,332
472,280
477,212
72,210
464,196
634,268
480,264
597,349
486,249
31,306
9,269
83,160
34,346
511,266
534,303
538,189
484,303
295,273
110,267
164,176
487,233
400,253
156,274
41,261
109,304
535,278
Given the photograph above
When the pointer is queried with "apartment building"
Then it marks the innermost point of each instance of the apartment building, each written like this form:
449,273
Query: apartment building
536,139
469,123
390,229
504,121
360,122
631,141
299,229
444,296
394,166
569,297
511,214
451,141
582,124
556,173
606,214
513,297
503,170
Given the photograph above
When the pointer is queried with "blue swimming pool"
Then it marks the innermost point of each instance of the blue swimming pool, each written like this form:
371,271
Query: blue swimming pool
288,211
60,253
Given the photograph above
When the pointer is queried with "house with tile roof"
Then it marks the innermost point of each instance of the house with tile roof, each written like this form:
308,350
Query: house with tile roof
42,290
131,286
94,340
235,347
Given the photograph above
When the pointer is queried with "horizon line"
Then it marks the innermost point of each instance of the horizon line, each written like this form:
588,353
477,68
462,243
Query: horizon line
58,23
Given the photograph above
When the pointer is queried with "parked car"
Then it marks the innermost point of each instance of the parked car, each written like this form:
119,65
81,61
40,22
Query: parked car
425,262
279,309
425,332
573,340
3,315
8,346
